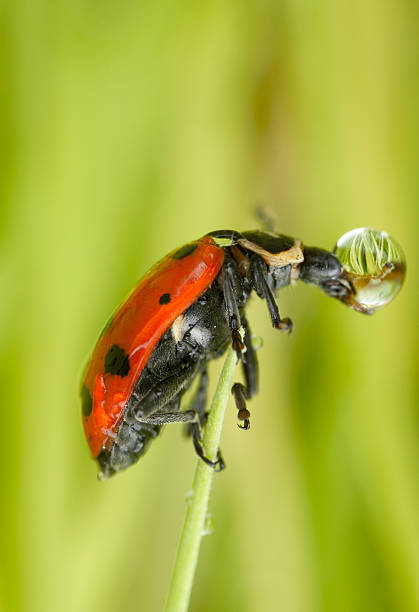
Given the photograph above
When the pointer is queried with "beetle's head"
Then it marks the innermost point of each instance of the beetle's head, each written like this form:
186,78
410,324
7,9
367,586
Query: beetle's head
365,271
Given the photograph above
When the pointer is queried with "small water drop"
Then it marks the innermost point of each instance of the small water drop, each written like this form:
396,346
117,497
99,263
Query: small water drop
375,265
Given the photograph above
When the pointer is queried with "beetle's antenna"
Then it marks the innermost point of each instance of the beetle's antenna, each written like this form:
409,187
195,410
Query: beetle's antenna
265,217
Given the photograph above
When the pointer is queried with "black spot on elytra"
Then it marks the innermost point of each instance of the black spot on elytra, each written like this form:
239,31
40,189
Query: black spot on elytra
186,250
164,299
86,401
117,361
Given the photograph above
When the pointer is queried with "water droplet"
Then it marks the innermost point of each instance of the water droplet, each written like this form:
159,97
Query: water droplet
375,265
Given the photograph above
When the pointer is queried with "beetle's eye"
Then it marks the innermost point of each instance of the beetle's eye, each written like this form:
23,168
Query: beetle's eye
375,265
335,289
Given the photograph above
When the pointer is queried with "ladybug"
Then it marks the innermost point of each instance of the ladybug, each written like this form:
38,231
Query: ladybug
187,310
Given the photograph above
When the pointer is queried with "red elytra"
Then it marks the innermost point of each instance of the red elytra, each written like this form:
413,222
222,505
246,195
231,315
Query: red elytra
179,278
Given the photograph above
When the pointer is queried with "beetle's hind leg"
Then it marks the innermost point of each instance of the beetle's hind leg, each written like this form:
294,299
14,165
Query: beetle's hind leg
191,417
250,367
199,402
194,429
219,464
153,410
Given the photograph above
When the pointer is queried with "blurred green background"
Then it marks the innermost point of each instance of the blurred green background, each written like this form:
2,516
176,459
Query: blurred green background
127,129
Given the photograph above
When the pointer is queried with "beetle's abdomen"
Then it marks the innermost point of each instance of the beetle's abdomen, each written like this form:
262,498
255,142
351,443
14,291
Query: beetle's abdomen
204,335
131,442
125,346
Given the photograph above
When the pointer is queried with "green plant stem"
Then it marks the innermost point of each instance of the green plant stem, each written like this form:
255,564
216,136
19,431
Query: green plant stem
193,528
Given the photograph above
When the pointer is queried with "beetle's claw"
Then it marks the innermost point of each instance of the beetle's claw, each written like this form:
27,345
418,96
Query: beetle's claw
245,426
243,415
219,465
239,392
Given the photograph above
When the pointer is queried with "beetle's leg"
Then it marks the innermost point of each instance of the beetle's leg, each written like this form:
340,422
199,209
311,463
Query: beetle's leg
250,362
165,418
240,392
200,399
150,411
199,402
263,290
232,288
186,416
243,262
198,405
219,464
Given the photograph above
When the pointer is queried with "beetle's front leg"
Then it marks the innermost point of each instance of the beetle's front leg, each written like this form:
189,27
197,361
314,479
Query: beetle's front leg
259,275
